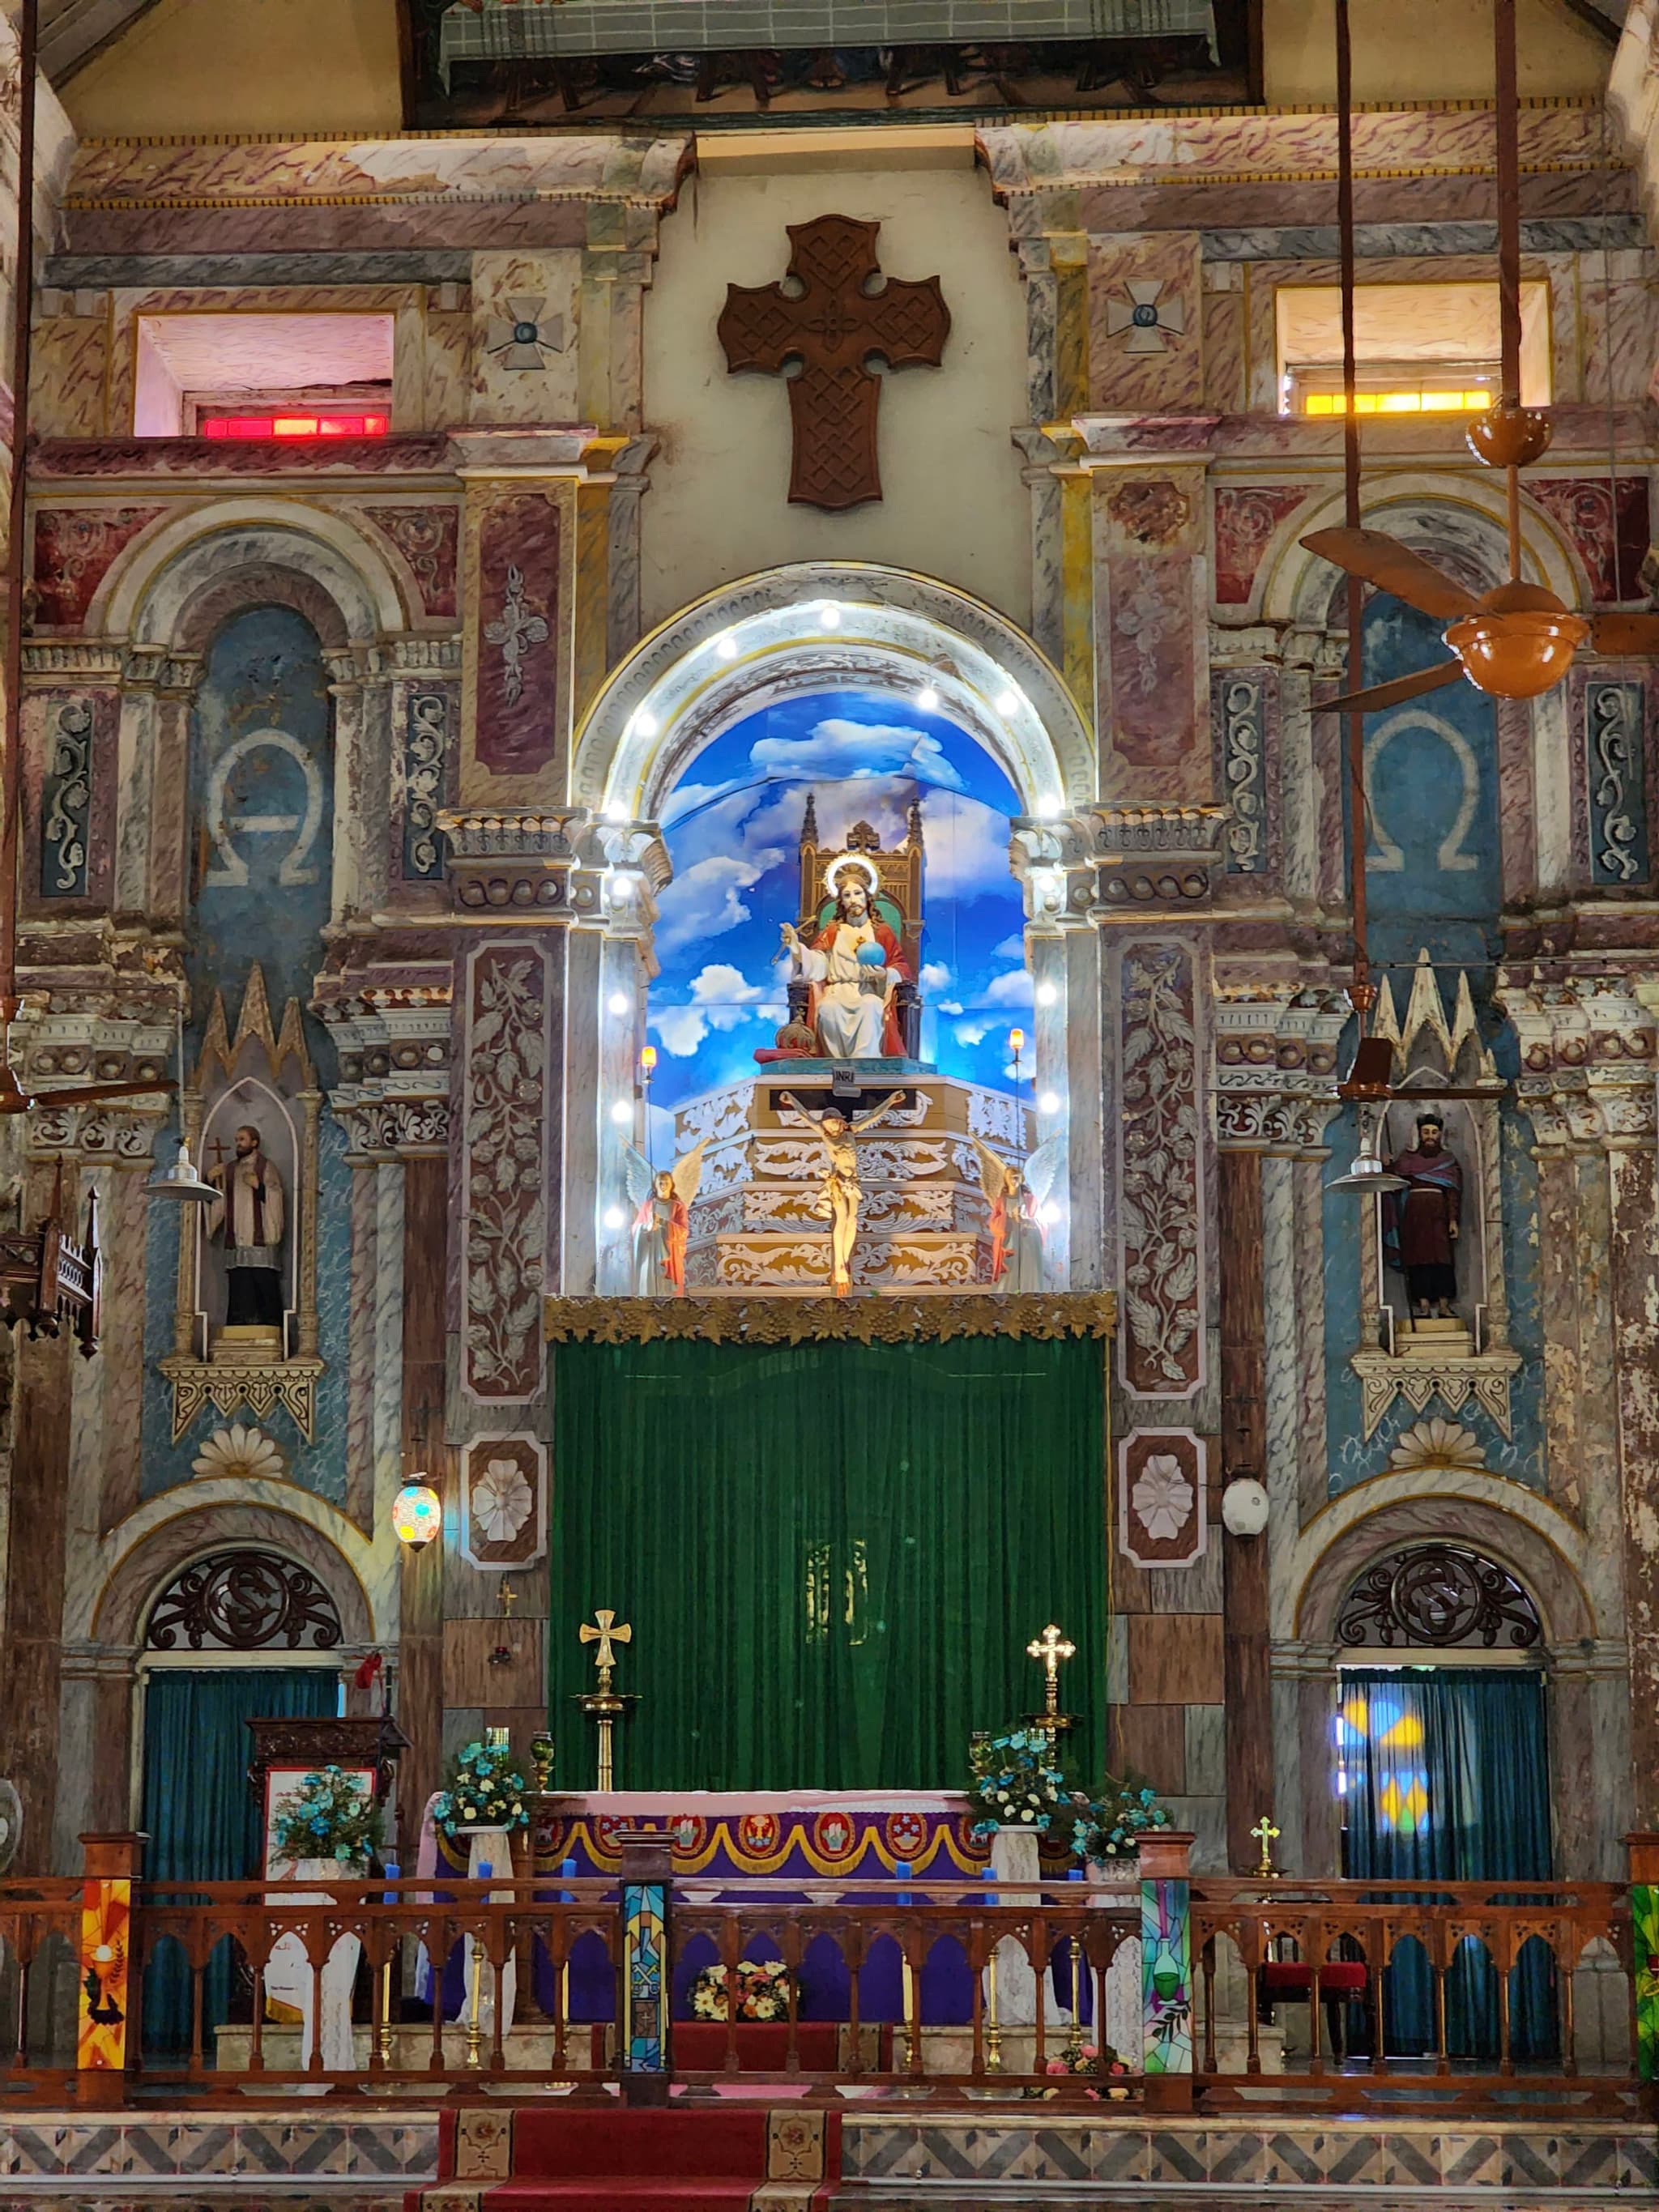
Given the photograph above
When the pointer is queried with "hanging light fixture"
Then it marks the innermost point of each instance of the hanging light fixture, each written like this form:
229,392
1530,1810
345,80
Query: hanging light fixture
180,1180
1366,1170
417,1512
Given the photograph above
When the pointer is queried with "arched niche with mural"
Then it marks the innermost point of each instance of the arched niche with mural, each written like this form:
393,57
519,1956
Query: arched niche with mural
824,787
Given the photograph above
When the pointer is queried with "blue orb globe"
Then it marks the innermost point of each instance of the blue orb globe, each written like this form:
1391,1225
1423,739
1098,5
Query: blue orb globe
870,956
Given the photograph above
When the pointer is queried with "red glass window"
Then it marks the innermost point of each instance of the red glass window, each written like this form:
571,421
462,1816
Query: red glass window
320,422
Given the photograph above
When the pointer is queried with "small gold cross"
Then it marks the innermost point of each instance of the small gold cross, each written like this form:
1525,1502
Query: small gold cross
609,1632
509,1598
1051,1647
1265,1834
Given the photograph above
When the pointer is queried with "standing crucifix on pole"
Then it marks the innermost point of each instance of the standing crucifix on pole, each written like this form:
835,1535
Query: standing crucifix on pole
1053,1649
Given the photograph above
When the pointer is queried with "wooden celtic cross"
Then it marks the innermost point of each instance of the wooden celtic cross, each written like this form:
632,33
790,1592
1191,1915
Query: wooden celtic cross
826,316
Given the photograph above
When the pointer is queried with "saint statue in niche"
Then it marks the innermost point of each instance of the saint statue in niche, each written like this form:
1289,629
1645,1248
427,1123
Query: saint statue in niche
248,1219
854,964
1420,1223
841,1194
1015,1199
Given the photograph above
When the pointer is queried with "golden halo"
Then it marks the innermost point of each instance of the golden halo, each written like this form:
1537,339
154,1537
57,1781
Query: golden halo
843,861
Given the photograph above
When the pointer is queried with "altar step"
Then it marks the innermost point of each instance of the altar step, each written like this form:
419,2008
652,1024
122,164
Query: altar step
724,2159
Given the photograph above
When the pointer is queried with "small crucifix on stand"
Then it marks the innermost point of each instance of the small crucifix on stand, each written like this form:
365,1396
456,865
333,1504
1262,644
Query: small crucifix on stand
606,1706
1052,1649
1265,1834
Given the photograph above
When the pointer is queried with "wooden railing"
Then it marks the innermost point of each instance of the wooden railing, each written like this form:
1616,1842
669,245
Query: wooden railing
945,2025
1339,1949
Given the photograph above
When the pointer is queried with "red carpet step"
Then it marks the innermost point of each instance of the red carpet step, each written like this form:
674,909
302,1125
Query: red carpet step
532,2159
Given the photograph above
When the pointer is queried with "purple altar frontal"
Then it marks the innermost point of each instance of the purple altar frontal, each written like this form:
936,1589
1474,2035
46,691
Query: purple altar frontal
723,1840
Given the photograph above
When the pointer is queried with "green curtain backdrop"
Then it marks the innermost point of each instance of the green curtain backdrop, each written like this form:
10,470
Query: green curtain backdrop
1448,1773
833,1555
201,1817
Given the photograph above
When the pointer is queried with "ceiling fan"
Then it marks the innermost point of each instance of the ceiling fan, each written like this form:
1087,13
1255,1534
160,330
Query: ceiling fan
1518,640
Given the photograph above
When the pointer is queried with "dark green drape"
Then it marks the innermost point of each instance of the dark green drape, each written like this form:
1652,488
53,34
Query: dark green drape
201,1817
832,1555
1448,1777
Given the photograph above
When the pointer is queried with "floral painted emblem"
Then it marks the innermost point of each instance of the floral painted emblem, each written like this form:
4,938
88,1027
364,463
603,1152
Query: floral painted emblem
1162,1497
759,1834
904,1834
835,1836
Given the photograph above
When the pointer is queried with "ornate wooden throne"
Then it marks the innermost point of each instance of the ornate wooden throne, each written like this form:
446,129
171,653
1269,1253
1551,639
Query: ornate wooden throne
897,902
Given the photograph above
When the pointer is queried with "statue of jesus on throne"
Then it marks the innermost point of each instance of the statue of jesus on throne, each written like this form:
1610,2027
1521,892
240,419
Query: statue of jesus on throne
854,964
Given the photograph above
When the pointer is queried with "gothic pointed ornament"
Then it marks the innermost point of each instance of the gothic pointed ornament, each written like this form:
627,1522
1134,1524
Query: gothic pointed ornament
1146,322
834,311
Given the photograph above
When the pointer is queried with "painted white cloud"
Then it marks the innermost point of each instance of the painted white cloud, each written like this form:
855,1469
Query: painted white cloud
934,975
704,901
1012,987
1012,947
971,1033
681,1029
727,994
834,749
950,1005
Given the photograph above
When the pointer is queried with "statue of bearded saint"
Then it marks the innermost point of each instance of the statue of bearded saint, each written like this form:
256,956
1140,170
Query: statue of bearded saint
854,965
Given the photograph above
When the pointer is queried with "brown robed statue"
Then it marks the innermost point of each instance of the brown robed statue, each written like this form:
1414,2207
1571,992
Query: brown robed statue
1420,1223
247,1216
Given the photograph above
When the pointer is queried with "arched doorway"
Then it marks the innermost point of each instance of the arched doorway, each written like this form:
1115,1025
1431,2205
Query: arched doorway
238,1634
1441,1749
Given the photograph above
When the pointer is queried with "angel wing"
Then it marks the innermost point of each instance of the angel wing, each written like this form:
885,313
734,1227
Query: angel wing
687,1172
998,1178
1042,1168
636,1174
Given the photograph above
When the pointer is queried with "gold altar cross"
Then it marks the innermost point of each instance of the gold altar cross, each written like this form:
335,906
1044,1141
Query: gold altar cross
608,1633
1265,1834
509,1598
1051,1648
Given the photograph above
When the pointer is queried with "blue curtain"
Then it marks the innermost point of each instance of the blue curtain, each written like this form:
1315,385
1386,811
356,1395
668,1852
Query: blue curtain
203,1820
1447,1777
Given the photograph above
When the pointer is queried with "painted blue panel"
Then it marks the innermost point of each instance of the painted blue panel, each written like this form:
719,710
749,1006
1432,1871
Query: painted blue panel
262,810
733,826
1433,867
261,821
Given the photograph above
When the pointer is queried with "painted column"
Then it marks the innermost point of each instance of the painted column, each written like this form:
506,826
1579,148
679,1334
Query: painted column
1248,1722
1166,1971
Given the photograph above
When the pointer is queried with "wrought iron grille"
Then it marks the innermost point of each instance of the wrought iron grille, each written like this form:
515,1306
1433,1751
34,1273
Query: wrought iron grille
1438,1595
243,1601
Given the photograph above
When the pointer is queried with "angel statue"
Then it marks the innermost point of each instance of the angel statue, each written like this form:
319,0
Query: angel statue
1016,1196
662,1198
841,1194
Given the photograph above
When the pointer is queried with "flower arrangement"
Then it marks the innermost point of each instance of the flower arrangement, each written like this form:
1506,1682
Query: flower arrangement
1111,1826
1016,1783
328,1817
763,1991
485,1790
1086,2058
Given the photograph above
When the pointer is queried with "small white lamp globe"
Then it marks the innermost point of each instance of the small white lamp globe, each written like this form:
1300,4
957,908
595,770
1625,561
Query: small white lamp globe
1244,1506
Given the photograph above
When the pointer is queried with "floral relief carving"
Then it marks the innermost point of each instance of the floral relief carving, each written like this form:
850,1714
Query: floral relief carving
504,1167
520,626
1160,1180
502,1500
1163,1498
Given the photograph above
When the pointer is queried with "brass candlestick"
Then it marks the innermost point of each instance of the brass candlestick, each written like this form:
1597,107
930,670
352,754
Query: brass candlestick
1074,2041
992,2032
606,1704
1265,1834
1052,1649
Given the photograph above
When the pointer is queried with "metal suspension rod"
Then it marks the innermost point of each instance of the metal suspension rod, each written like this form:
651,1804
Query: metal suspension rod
16,549
1354,724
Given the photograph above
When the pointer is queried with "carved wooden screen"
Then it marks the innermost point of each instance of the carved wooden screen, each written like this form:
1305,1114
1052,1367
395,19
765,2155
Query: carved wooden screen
243,1601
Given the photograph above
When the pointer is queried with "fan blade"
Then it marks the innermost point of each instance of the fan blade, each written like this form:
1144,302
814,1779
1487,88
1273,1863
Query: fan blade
1392,567
87,1092
1633,633
1394,693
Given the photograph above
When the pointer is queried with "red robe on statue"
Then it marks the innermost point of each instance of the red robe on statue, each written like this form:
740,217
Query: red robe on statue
892,1041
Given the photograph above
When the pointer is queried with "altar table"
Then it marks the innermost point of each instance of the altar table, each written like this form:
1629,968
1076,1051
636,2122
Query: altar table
723,1839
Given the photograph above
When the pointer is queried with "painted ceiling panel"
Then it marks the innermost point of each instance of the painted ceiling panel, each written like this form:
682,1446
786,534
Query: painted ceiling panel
73,30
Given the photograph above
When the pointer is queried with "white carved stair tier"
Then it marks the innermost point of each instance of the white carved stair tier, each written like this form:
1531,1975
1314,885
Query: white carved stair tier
1477,1362
201,1371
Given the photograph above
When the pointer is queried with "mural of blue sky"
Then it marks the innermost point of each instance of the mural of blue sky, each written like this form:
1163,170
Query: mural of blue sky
733,827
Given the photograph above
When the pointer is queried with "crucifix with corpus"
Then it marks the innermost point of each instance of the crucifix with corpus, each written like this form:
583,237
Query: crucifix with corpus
830,316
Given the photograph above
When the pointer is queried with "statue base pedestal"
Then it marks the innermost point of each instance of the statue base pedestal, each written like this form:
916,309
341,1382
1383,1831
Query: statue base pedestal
1433,1339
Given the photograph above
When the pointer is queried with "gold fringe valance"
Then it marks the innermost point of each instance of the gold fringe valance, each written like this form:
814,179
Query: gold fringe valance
729,1319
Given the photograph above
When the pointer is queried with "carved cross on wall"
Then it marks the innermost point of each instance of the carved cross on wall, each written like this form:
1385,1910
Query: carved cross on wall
826,316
